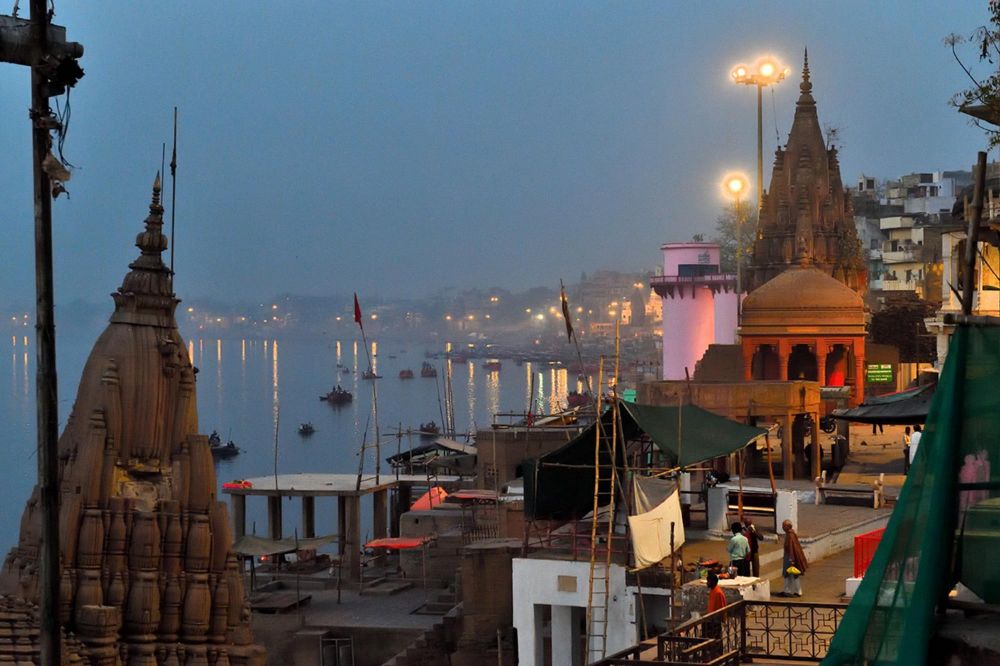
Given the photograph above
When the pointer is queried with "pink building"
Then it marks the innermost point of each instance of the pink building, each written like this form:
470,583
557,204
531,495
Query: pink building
699,305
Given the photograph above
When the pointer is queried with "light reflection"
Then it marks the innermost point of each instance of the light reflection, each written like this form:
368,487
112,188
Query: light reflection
527,385
219,392
338,353
355,355
13,340
191,351
25,379
471,390
266,347
26,341
493,392
374,357
218,351
243,351
275,404
539,398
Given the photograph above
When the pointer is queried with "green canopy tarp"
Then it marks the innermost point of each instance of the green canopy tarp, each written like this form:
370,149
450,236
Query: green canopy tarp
690,434
560,484
891,619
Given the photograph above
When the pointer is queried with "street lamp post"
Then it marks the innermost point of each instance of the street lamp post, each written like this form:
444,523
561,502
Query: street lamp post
766,72
734,186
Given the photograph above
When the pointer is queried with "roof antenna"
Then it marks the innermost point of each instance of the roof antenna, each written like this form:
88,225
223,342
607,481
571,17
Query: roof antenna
173,199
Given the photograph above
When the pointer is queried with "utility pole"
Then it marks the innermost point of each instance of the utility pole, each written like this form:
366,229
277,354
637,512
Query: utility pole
38,44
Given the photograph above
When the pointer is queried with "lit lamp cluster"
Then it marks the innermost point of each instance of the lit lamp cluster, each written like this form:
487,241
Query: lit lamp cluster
766,72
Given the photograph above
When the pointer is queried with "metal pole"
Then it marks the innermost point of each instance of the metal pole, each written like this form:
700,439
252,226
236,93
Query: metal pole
760,146
972,238
46,395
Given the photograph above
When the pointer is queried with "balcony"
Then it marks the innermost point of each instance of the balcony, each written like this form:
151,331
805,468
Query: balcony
904,254
664,285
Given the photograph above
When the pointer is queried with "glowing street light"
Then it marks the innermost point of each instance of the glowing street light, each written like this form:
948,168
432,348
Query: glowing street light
735,185
766,72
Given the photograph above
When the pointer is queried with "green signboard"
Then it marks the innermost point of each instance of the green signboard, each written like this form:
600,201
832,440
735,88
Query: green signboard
879,373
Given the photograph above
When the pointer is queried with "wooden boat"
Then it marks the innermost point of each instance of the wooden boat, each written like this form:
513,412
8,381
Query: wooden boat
306,429
370,374
345,370
429,429
338,396
492,365
575,399
220,450
428,370
406,373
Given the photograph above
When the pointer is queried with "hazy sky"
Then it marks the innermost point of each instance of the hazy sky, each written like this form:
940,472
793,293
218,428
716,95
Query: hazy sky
403,146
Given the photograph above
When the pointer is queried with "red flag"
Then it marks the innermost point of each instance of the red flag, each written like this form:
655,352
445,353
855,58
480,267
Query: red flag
357,309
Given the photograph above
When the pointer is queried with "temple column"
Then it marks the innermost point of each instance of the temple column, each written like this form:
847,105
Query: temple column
821,351
816,462
748,352
859,375
380,506
308,516
239,505
783,353
787,469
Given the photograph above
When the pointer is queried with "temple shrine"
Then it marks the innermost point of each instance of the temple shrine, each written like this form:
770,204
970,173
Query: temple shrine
807,204
805,325
148,573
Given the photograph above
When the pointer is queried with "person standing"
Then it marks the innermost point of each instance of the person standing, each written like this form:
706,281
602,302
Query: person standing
906,450
915,442
753,538
739,548
716,597
793,564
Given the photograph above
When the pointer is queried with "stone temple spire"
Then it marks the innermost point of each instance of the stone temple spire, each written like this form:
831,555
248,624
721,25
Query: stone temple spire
148,572
146,295
807,212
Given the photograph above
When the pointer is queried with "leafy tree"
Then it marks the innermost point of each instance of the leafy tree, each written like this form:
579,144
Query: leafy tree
901,325
984,92
725,235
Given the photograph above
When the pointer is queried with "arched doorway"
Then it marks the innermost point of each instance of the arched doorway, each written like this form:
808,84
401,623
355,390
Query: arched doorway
802,363
765,363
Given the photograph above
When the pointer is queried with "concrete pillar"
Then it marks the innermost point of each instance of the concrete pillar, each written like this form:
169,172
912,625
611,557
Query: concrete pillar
717,505
380,506
308,516
787,469
401,506
274,516
565,636
349,529
239,506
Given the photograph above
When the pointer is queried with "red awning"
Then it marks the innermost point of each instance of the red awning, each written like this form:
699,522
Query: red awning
398,543
432,498
472,495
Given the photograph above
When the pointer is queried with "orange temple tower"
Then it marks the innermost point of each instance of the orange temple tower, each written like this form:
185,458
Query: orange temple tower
148,575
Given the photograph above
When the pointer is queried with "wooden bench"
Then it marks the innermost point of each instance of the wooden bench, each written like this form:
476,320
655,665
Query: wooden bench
755,503
830,493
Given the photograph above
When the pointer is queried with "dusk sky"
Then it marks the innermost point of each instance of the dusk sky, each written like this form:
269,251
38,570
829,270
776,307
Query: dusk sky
400,147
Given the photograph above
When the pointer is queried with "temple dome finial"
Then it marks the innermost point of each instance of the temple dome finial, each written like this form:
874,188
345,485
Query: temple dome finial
806,86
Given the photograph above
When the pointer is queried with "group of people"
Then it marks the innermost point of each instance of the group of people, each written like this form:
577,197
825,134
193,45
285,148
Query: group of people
744,560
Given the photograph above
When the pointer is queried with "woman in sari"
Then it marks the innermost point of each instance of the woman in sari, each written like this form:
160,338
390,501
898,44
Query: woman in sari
793,564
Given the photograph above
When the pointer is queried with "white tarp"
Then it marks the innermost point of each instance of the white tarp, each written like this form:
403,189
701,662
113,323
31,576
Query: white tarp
661,506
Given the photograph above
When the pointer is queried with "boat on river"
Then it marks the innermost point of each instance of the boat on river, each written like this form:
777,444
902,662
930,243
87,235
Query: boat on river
220,450
406,373
428,370
306,429
338,396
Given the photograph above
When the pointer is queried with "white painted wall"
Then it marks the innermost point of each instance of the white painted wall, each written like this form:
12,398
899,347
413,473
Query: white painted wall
536,584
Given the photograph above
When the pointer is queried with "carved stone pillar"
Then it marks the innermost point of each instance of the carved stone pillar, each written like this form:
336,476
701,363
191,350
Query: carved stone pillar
748,352
822,348
783,354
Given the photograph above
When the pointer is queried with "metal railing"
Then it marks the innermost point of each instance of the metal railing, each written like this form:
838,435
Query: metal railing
778,630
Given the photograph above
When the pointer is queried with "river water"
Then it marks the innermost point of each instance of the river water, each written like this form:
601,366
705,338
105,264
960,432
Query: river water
248,387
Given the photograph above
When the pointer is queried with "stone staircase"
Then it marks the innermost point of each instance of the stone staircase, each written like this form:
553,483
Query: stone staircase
432,647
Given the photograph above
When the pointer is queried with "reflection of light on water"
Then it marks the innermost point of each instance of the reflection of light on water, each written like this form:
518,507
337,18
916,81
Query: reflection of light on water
493,392
471,390
191,351
219,392
26,341
447,347
274,384
355,356
374,357
26,382
527,385
13,340
539,398
338,353
265,349
243,351
559,390
201,350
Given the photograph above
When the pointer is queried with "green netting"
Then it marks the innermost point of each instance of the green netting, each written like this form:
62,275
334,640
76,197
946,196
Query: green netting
891,618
